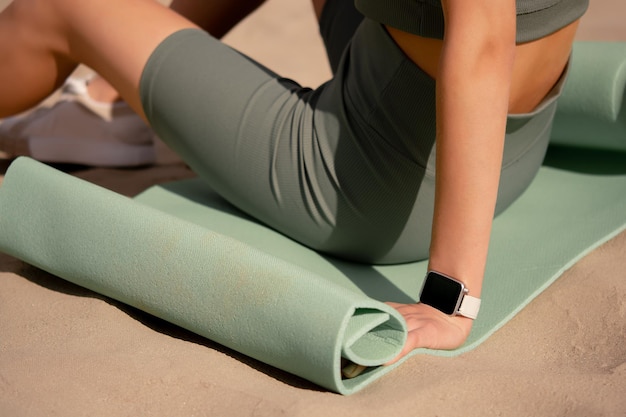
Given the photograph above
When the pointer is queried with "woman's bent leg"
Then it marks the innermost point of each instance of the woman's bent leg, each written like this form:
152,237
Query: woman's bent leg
41,42
217,17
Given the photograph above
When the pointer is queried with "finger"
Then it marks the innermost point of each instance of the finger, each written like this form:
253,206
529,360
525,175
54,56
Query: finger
393,304
412,342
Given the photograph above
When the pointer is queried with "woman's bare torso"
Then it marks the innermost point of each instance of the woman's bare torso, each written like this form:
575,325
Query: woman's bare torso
538,64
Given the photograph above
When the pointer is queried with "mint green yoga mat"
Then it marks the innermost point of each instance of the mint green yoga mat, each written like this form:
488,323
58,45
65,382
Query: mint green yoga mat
591,112
179,252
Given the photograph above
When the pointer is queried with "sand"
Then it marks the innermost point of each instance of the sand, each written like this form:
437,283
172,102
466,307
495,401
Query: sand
69,352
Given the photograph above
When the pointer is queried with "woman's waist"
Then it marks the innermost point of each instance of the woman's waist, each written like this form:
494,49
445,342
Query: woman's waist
538,64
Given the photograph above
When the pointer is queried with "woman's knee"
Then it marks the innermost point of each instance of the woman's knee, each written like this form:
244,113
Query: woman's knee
35,20
32,43
217,17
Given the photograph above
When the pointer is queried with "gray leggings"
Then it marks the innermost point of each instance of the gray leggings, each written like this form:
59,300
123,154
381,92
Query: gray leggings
346,169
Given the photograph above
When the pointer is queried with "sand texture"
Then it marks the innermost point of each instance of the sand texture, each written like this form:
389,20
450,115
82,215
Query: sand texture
66,351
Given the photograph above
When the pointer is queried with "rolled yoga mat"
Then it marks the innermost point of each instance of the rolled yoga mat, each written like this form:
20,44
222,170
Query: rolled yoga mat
180,253
211,284
592,109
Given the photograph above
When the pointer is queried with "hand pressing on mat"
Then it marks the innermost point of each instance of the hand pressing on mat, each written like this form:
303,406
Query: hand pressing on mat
430,328
427,328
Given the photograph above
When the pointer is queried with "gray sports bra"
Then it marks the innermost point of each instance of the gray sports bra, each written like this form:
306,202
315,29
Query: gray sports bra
535,18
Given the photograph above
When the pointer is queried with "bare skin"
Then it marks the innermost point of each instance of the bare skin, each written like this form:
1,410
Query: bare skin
217,17
44,41
477,60
481,76
469,151
514,79
534,72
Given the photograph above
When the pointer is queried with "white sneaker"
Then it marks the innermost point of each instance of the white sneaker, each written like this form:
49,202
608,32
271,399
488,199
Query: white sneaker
80,130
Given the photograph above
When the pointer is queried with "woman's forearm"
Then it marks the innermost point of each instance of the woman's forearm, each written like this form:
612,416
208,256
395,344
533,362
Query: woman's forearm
472,103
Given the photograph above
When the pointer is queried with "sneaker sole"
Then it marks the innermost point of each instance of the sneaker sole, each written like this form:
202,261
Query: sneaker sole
93,153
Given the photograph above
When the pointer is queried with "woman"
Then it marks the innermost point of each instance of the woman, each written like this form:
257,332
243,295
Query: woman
350,168
91,125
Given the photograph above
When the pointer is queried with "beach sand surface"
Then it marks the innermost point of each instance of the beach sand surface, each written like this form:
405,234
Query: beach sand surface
65,351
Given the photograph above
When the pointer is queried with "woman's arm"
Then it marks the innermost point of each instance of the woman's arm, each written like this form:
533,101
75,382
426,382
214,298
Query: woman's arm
472,104
473,83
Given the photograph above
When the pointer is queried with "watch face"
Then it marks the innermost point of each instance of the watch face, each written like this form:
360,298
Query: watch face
441,292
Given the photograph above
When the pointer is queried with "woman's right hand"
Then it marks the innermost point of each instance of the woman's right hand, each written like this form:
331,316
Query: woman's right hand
430,328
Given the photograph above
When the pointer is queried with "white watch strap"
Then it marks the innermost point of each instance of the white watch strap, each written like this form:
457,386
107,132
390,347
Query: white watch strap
469,307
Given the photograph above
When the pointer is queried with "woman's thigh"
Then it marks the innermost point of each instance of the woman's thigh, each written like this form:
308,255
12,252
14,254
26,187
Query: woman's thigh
115,37
322,166
346,169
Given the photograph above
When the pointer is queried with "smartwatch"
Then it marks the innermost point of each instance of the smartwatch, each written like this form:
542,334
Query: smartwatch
448,295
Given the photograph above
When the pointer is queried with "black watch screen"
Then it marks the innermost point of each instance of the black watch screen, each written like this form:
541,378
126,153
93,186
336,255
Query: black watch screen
441,292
